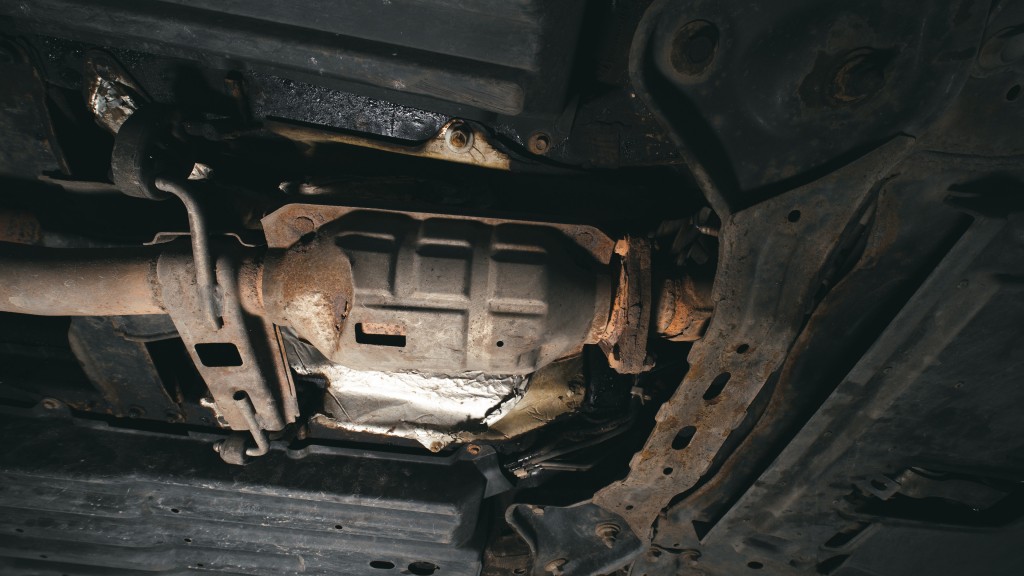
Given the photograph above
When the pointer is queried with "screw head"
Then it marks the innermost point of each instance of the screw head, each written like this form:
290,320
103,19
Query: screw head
50,403
539,143
473,449
458,137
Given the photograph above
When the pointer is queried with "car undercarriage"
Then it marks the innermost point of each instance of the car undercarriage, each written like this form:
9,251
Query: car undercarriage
511,287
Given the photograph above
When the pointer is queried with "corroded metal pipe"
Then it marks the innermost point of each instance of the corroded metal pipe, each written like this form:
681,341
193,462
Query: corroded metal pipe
206,274
79,282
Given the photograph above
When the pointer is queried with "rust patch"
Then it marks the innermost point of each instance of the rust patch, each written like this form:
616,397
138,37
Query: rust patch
624,338
457,141
752,330
288,224
684,309
19,227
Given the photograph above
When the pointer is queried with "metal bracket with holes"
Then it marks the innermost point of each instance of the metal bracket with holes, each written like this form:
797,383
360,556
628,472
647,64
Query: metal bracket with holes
242,361
785,243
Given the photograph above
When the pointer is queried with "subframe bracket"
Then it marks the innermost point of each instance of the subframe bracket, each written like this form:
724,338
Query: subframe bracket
242,361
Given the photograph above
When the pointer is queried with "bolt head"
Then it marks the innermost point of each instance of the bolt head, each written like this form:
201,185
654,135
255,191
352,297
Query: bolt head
539,143
555,566
458,137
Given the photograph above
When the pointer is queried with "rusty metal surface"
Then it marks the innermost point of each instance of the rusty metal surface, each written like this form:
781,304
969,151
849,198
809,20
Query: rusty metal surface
931,367
78,282
772,259
202,259
683,309
624,338
910,230
438,295
309,288
19,227
457,141
286,225
256,369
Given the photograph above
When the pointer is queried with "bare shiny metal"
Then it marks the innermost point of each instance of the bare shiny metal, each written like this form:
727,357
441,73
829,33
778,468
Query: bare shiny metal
432,409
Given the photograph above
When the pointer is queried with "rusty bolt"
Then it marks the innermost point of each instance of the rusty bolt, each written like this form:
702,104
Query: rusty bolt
683,309
555,566
539,143
458,137
472,449
608,532
51,403
303,225
694,48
